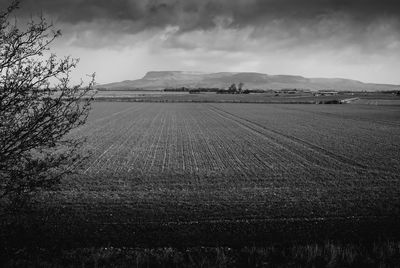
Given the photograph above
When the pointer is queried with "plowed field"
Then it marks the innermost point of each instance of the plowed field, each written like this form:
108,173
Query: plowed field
161,173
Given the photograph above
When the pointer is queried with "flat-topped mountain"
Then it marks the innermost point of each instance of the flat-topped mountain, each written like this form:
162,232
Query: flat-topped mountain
175,79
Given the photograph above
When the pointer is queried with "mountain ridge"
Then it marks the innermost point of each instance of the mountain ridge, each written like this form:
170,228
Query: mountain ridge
158,80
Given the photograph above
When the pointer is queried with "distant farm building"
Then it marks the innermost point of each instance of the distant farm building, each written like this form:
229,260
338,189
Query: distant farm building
326,93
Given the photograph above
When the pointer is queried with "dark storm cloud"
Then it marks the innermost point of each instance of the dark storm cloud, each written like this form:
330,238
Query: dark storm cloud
371,25
200,14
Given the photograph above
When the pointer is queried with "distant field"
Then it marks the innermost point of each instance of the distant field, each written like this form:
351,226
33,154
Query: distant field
378,101
374,98
226,174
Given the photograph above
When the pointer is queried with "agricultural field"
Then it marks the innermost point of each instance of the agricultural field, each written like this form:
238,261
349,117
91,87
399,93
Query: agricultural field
373,98
227,174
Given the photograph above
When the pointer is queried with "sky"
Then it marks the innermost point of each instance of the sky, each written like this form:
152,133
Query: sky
123,39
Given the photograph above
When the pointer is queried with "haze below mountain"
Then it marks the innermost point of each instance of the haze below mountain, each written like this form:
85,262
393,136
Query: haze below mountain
158,80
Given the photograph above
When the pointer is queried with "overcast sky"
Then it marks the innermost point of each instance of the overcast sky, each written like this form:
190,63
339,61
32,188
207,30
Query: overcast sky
123,39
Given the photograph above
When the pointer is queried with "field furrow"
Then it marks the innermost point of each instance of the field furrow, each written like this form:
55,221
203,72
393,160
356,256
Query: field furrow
320,151
221,164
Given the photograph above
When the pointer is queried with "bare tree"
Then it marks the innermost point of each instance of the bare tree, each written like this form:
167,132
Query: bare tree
232,88
240,87
38,108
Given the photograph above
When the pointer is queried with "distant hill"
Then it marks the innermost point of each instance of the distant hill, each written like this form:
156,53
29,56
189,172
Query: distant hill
175,79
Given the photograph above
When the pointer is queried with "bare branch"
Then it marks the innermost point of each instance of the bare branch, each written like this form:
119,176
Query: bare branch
36,115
